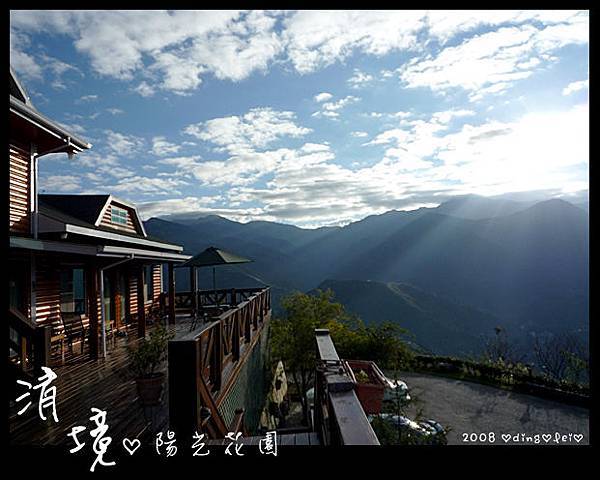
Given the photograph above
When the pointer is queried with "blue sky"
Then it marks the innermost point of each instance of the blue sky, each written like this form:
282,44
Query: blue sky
310,118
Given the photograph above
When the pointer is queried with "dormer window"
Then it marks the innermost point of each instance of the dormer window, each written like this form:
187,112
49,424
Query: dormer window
118,215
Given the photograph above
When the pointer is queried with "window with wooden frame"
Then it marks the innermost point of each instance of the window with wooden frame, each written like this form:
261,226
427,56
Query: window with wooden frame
118,215
148,283
72,291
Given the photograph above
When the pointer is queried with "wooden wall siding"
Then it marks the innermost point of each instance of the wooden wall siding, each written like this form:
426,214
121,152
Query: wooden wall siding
107,222
47,292
20,188
132,295
157,279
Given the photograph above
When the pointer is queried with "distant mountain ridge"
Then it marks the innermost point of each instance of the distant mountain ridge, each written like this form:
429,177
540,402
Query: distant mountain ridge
438,325
526,263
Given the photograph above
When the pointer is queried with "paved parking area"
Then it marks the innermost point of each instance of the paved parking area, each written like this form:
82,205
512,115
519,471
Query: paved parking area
480,414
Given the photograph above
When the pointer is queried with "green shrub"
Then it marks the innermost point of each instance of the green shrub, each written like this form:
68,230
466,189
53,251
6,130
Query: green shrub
149,352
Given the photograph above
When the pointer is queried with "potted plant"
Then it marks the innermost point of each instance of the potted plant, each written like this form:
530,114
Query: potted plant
144,360
369,384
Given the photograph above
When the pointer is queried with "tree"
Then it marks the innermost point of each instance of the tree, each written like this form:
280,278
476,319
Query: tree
562,357
293,335
499,349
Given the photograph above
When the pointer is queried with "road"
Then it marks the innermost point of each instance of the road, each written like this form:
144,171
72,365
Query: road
480,414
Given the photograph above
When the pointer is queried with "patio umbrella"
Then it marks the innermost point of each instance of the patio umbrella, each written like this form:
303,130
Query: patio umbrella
213,257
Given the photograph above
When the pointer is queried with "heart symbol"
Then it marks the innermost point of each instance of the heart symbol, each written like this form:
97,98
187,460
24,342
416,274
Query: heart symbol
578,437
546,437
131,445
506,437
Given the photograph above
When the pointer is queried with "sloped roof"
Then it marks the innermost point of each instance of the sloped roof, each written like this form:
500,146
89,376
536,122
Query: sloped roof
214,256
20,104
17,89
83,211
85,208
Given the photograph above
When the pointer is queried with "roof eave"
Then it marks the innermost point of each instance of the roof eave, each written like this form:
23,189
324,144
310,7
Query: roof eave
35,117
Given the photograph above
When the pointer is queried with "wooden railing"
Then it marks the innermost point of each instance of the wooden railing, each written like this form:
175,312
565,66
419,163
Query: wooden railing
208,300
198,360
339,418
31,345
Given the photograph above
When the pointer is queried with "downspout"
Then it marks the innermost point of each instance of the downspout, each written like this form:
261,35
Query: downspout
34,233
35,155
34,191
102,309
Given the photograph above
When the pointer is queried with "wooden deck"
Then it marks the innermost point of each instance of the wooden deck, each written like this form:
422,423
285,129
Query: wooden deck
287,439
106,384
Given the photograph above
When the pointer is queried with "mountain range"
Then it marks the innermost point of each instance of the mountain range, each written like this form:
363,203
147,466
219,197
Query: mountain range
519,265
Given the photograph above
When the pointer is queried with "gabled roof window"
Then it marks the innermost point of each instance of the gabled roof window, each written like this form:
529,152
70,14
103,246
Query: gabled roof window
118,215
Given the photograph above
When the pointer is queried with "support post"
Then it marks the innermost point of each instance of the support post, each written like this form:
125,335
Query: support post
92,294
141,310
171,294
184,401
194,290
41,347
216,367
235,347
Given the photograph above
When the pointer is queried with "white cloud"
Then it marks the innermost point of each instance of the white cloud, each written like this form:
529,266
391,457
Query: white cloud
445,24
359,79
575,87
123,144
242,134
22,62
491,62
144,185
532,153
92,159
331,109
359,134
115,111
181,47
186,46
144,89
321,97
88,98
316,39
60,183
161,147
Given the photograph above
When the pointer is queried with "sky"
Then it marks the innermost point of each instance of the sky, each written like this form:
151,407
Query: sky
310,118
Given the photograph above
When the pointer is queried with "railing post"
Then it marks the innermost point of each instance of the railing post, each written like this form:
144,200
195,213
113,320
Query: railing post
235,337
216,367
41,347
184,400
250,320
233,297
141,307
92,294
171,293
193,290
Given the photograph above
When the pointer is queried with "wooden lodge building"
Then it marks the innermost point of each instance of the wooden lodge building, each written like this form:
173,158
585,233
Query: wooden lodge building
86,282
78,263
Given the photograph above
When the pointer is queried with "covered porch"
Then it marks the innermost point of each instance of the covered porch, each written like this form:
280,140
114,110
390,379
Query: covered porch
72,301
108,382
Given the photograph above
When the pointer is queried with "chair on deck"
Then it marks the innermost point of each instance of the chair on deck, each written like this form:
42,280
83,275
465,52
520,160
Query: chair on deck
74,328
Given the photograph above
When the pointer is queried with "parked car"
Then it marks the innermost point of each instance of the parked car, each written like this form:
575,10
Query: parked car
395,389
425,432
433,426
